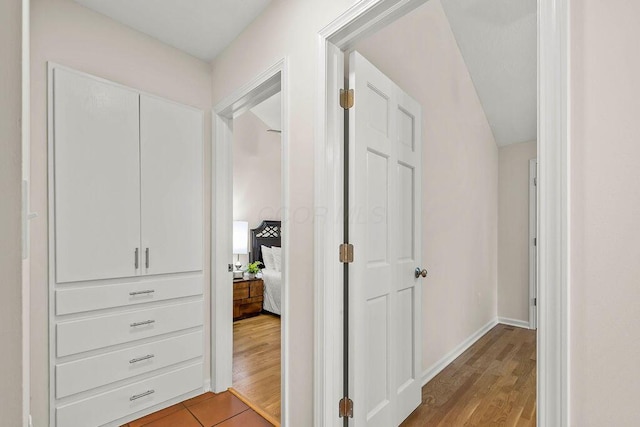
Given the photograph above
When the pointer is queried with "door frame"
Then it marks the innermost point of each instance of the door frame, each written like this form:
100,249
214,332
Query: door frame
268,83
533,241
27,215
362,19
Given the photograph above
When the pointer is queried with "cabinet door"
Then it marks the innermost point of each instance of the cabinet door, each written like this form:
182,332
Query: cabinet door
96,178
171,174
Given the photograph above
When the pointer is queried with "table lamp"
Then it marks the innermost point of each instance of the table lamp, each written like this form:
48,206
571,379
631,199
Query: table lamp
240,245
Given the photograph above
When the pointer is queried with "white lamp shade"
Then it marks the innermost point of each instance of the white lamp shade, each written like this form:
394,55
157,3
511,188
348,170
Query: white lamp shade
240,237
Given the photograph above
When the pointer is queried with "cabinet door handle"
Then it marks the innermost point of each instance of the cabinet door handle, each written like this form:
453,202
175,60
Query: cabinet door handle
148,291
146,322
146,257
138,396
135,261
140,359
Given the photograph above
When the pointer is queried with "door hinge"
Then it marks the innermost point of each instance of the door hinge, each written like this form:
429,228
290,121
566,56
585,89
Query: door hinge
535,302
535,241
345,407
347,98
346,253
535,180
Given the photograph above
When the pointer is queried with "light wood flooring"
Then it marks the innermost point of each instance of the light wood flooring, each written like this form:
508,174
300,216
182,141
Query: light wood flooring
256,361
493,383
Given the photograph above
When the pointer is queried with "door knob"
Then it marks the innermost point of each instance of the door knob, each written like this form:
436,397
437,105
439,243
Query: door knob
421,272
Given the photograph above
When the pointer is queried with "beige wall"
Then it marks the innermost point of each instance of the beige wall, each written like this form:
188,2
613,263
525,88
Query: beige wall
513,230
605,213
71,35
460,176
10,212
257,172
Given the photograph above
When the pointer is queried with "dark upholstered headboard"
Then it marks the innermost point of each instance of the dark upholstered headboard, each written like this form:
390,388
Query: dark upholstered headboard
268,234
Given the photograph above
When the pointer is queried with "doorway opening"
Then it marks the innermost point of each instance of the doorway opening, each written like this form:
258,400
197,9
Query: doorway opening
343,36
257,244
250,255
425,192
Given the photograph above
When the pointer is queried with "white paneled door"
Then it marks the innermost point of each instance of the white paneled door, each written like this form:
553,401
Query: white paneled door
171,174
384,212
96,178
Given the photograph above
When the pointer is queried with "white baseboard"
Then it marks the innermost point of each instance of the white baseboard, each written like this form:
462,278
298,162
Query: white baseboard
207,385
437,367
514,322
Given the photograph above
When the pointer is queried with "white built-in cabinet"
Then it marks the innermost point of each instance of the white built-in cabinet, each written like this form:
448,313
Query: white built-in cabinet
128,182
96,142
171,178
126,251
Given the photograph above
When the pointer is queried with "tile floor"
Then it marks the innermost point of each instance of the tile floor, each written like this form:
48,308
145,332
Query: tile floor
206,410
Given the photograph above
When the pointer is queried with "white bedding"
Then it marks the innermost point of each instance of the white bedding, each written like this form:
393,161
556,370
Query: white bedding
272,291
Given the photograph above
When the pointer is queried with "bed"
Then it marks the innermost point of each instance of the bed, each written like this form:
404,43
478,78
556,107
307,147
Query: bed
268,234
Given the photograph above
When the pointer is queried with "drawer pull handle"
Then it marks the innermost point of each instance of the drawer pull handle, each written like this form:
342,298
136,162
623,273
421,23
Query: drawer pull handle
140,359
148,291
146,322
138,396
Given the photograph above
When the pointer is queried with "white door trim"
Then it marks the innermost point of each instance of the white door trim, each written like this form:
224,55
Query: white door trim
268,83
26,214
362,19
553,213
533,235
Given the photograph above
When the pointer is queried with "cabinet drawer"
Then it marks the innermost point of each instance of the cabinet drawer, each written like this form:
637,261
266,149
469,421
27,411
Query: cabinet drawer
240,291
85,374
107,296
127,400
250,308
256,289
88,334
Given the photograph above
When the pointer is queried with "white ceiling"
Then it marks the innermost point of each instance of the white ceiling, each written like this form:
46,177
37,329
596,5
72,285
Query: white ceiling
270,112
202,28
498,41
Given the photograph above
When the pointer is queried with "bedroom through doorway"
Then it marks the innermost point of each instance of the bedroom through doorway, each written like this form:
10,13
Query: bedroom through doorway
257,255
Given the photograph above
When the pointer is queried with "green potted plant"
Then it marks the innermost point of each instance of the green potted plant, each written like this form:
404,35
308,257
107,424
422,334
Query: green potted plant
253,269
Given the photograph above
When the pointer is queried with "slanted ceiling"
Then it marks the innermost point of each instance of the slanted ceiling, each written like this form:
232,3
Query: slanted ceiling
498,40
269,111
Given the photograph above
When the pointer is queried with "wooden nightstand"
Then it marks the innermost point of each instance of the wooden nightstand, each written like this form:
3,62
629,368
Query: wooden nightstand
248,295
